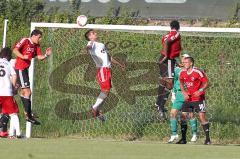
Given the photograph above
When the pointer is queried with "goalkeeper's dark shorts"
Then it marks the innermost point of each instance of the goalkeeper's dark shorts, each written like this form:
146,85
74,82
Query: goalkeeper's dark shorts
167,67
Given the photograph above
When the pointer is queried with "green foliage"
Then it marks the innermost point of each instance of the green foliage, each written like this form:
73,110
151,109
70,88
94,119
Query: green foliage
21,12
233,18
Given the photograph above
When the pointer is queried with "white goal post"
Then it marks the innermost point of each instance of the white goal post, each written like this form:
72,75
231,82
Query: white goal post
117,27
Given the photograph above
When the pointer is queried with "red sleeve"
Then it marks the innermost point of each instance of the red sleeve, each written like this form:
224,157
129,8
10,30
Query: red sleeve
38,50
172,37
204,79
21,43
203,76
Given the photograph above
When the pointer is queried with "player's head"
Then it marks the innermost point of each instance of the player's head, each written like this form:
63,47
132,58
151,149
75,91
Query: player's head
36,36
182,58
188,62
91,35
175,25
6,53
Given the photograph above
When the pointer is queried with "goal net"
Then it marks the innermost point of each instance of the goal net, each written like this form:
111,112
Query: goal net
65,85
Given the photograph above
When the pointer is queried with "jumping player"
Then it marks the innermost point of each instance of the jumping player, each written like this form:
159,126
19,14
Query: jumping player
103,60
171,49
25,50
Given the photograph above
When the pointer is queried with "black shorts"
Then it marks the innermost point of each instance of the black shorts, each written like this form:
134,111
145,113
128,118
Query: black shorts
167,67
197,107
23,78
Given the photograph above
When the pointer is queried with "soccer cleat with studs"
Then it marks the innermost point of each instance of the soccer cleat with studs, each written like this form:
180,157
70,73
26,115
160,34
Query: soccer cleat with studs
194,138
207,142
33,121
181,141
101,117
3,134
16,137
173,138
98,114
95,113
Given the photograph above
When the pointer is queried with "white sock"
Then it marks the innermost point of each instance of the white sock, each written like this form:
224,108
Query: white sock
100,100
14,125
11,128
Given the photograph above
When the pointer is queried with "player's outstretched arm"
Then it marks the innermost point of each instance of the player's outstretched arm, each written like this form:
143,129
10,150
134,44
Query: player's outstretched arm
118,63
47,53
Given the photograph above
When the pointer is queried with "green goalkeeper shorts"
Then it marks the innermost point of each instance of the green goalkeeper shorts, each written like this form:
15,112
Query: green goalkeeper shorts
178,102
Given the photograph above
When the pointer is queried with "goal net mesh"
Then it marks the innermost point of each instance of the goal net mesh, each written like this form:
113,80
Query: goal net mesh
65,85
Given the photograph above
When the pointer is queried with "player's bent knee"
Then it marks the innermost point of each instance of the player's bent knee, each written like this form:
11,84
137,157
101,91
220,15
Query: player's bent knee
169,84
26,92
173,113
166,82
184,116
202,118
191,115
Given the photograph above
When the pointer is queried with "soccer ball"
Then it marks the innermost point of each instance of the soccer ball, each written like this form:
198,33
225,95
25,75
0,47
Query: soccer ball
82,20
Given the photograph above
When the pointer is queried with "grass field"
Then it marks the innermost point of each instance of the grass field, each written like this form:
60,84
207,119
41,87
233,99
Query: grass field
100,149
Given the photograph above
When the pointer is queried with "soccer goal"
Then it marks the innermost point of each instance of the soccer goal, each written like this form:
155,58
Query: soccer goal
64,87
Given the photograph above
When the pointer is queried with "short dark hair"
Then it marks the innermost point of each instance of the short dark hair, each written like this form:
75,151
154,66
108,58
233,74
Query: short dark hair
175,25
36,32
6,52
191,59
87,33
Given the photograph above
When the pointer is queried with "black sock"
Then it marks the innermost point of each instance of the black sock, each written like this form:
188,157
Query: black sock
27,106
4,128
4,121
206,130
163,94
184,130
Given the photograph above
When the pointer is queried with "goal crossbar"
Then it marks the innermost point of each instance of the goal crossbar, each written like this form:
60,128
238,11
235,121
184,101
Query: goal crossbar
135,27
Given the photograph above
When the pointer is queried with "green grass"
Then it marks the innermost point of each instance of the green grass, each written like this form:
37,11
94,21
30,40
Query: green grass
99,149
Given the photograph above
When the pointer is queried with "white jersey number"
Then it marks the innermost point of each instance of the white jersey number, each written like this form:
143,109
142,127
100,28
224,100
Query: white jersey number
2,71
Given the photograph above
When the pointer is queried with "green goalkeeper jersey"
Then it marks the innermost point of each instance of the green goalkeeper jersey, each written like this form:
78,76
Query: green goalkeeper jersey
176,86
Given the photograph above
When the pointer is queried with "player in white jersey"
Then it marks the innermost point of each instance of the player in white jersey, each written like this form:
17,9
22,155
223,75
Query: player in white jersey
103,60
8,80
